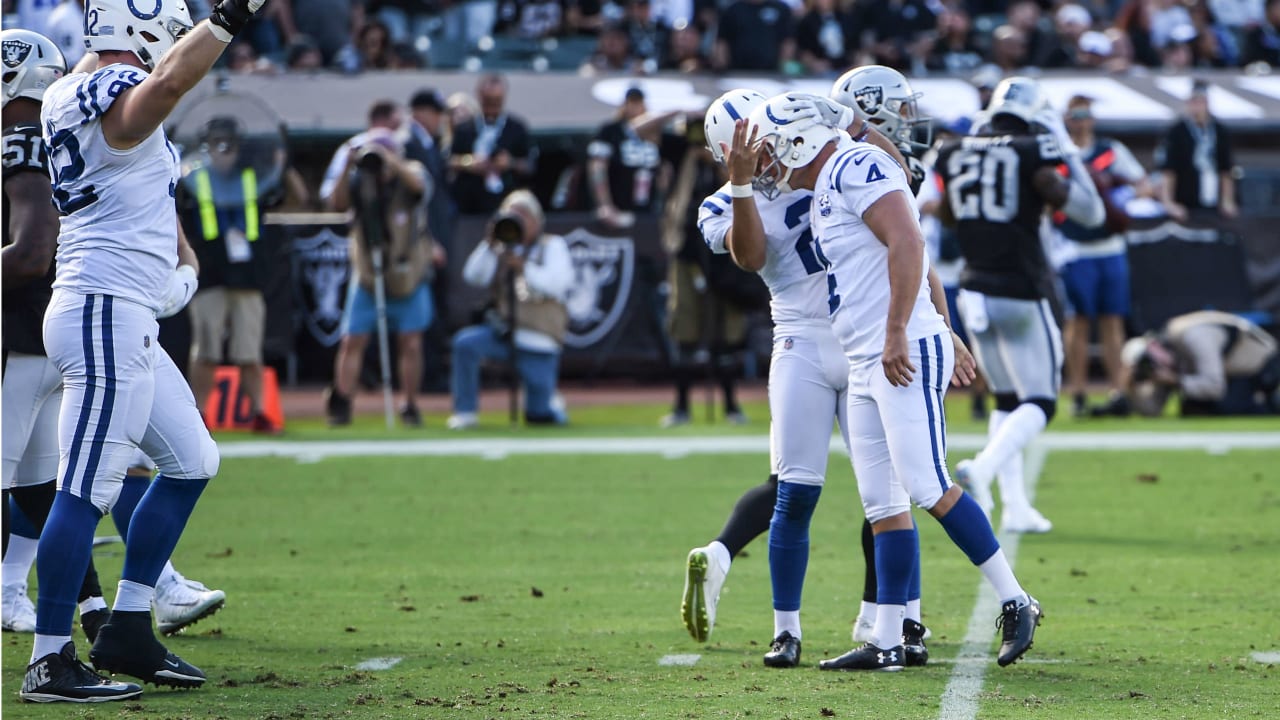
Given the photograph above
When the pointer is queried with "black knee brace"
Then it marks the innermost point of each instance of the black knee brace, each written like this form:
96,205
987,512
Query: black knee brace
1006,402
1048,405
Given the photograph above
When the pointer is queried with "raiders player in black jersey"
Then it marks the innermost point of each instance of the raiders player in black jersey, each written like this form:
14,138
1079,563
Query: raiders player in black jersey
997,184
32,386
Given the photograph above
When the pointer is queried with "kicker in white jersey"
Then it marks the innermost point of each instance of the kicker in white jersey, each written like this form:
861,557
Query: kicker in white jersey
851,181
119,225
793,270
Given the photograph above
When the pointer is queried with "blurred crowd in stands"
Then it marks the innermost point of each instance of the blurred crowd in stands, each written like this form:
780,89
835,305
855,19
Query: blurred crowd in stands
700,36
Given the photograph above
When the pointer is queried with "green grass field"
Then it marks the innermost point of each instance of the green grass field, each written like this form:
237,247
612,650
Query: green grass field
548,586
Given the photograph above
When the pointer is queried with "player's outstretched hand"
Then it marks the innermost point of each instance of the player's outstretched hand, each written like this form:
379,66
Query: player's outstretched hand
819,109
743,155
229,17
1051,121
966,370
896,360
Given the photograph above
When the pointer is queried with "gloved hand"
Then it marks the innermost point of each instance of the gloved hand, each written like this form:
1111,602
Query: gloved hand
821,110
229,17
915,172
182,287
1051,121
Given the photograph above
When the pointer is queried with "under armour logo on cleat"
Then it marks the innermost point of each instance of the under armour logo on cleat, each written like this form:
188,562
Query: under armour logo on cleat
892,658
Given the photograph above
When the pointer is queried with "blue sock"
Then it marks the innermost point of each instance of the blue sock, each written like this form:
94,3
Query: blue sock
156,526
970,530
19,523
65,546
913,587
789,542
896,553
131,492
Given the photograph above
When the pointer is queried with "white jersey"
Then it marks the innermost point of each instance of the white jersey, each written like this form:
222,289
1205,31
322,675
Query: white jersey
119,223
792,270
851,181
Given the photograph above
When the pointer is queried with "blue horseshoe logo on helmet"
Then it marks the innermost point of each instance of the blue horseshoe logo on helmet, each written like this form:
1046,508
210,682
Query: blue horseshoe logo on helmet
145,16
768,112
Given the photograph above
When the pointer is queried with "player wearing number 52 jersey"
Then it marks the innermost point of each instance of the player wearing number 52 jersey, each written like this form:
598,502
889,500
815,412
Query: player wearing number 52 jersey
114,173
996,186
892,326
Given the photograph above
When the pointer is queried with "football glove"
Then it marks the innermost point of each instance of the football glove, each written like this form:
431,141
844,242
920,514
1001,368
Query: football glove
229,17
822,110
182,287
1051,121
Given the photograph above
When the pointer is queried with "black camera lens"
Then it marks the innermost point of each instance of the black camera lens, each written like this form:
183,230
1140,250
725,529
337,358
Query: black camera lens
508,229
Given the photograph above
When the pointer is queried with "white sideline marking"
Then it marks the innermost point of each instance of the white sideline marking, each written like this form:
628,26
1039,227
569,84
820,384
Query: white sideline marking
379,663
1266,657
680,660
497,448
960,698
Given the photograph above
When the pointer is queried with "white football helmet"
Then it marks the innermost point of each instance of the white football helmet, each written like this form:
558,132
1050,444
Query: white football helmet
1021,97
147,28
723,113
791,139
32,62
883,97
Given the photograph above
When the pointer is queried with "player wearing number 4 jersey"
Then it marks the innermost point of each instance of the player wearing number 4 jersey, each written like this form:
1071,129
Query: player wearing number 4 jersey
997,185
114,173
894,338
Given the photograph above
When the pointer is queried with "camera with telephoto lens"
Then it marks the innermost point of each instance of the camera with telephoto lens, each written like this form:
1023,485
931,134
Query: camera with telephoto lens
508,229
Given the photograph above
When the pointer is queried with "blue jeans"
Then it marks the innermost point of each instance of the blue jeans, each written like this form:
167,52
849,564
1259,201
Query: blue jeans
538,371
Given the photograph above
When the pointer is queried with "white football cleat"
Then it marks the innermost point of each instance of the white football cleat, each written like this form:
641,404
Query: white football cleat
702,582
979,490
1027,520
180,602
17,614
462,421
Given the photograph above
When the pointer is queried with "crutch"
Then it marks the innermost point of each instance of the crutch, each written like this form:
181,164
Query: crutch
384,349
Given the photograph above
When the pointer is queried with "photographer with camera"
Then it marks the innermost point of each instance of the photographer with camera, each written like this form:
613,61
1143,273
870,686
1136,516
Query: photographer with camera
391,257
519,262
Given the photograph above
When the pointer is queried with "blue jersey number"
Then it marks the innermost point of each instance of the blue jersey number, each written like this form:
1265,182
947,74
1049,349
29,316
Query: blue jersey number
796,214
67,167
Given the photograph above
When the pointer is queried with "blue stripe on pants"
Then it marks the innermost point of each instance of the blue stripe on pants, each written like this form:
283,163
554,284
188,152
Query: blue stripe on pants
928,404
108,401
942,386
82,422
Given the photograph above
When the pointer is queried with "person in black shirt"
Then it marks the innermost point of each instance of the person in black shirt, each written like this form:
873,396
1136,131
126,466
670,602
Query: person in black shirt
492,153
825,39
755,35
624,160
1262,42
997,185
1195,157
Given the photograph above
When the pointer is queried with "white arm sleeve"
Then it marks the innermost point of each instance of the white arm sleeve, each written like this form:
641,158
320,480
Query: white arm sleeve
480,266
553,276
1084,204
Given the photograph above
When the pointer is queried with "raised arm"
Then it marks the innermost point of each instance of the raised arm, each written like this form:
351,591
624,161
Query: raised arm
745,239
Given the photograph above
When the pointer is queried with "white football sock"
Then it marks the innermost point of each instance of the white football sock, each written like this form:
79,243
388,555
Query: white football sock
913,610
786,621
96,602
1002,580
19,559
48,645
1013,491
867,610
888,631
133,597
1019,428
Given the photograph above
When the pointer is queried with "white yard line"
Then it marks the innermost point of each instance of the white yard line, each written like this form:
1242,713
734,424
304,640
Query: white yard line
679,660
960,698
677,447
379,663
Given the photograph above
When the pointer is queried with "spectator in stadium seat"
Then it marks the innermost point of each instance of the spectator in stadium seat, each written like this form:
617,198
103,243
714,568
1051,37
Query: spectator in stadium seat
584,17
371,49
754,35
1177,51
649,38
1261,42
492,153
956,49
612,54
1196,161
1093,50
1009,49
825,38
65,28
1220,363
897,31
530,19
330,24
1069,23
303,55
685,52
1025,15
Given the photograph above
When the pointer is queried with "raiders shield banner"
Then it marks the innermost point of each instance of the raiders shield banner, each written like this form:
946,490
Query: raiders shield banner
320,271
603,269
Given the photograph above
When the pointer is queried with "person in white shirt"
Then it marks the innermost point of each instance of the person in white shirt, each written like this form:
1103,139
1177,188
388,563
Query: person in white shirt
66,28
866,231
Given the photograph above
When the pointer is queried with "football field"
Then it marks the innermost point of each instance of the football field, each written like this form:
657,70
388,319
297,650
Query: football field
537,573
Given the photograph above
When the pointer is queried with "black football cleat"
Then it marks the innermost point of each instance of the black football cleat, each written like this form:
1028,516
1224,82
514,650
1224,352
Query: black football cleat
868,657
917,655
126,644
1018,627
784,652
92,621
61,677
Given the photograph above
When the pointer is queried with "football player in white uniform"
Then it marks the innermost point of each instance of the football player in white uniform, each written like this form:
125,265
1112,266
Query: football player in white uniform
892,332
114,174
770,235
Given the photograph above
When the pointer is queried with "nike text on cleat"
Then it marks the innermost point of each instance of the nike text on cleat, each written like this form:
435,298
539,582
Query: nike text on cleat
913,634
180,602
17,614
784,651
126,644
703,579
62,677
1017,624
868,657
